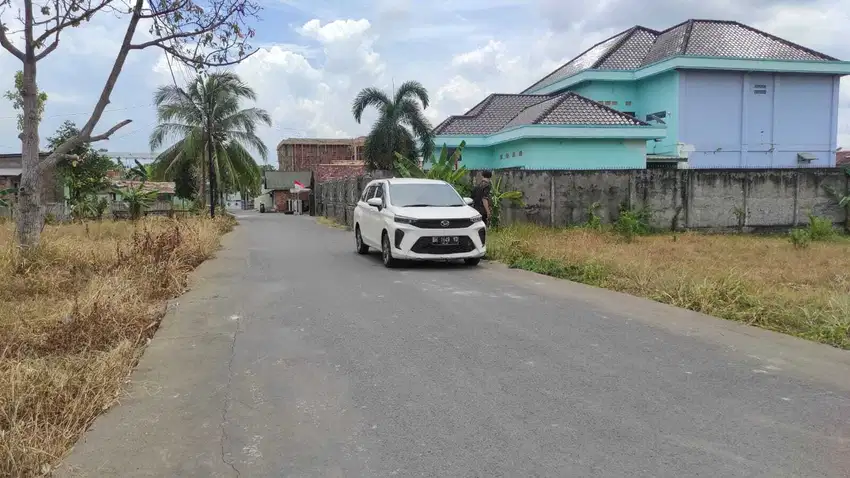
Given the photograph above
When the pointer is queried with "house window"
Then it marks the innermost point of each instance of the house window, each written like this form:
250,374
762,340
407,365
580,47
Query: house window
520,153
501,156
513,155
760,89
613,103
629,103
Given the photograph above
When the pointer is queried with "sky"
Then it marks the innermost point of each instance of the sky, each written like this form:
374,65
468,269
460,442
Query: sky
315,55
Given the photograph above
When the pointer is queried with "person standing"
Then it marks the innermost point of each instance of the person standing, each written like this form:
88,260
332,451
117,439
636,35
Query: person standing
481,196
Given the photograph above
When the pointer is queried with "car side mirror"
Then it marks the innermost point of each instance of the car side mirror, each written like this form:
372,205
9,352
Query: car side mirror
468,201
375,202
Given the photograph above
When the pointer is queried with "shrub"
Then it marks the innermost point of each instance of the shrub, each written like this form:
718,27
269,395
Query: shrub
820,228
800,238
593,219
632,223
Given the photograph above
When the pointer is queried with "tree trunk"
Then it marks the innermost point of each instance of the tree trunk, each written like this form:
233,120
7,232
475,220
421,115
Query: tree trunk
30,220
211,167
202,186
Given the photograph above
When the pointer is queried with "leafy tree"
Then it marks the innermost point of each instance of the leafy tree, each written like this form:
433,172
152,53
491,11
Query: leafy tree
17,98
85,171
185,181
211,129
198,33
399,126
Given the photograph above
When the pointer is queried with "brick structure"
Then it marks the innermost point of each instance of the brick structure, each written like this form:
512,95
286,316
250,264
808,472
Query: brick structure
842,158
339,170
325,158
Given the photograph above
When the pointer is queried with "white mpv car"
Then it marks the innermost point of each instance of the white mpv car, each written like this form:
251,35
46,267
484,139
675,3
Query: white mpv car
418,219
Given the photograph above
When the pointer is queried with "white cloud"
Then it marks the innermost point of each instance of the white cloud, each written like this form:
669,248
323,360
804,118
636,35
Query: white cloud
316,56
337,31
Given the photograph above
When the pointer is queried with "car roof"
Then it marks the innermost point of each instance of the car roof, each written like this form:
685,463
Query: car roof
413,181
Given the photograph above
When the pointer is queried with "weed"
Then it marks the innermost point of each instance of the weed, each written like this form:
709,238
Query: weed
820,228
800,238
632,223
593,219
740,217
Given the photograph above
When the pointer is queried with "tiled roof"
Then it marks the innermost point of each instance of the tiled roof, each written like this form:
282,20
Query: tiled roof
575,109
489,116
500,112
640,46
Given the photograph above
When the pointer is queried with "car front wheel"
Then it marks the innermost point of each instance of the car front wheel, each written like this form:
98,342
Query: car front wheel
387,253
358,242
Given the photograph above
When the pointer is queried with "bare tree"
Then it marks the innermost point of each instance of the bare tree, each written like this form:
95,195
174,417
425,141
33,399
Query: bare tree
198,33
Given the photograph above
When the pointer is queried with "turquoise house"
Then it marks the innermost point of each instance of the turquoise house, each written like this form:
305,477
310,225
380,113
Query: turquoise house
700,94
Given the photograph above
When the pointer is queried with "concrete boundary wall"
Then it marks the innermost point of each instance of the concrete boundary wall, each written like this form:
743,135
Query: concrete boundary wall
708,199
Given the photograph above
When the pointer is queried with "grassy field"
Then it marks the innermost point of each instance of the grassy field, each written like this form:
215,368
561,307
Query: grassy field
762,281
75,316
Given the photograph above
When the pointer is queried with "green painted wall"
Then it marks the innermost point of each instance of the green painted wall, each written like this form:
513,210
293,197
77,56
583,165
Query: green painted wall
624,94
577,153
559,154
477,158
660,93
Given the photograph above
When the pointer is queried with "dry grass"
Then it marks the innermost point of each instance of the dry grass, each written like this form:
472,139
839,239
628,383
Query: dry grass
326,221
762,281
75,315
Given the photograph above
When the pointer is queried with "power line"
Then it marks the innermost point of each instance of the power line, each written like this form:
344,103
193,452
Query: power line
85,112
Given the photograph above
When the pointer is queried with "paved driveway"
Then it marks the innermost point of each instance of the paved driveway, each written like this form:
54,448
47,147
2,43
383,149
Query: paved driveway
292,356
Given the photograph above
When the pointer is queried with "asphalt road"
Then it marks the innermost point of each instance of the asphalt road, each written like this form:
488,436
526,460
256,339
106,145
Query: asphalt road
293,356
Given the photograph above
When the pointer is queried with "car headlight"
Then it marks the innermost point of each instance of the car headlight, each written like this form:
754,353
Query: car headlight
404,220
475,219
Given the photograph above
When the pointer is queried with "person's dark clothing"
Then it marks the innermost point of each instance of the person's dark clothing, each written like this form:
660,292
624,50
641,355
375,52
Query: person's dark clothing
480,192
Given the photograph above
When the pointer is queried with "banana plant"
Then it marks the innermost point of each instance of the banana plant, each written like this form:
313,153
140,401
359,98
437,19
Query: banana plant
496,197
138,200
443,168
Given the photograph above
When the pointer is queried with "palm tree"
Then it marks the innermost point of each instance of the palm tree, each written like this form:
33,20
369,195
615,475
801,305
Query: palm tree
398,127
212,132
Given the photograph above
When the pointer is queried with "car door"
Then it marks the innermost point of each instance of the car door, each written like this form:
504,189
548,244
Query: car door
360,208
377,217
367,220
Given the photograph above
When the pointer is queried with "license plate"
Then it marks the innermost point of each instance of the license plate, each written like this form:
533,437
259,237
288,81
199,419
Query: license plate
445,240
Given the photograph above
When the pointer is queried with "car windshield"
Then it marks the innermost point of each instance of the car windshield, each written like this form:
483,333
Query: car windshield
424,195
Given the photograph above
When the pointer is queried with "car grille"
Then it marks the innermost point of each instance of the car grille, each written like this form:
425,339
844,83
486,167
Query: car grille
424,246
438,223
